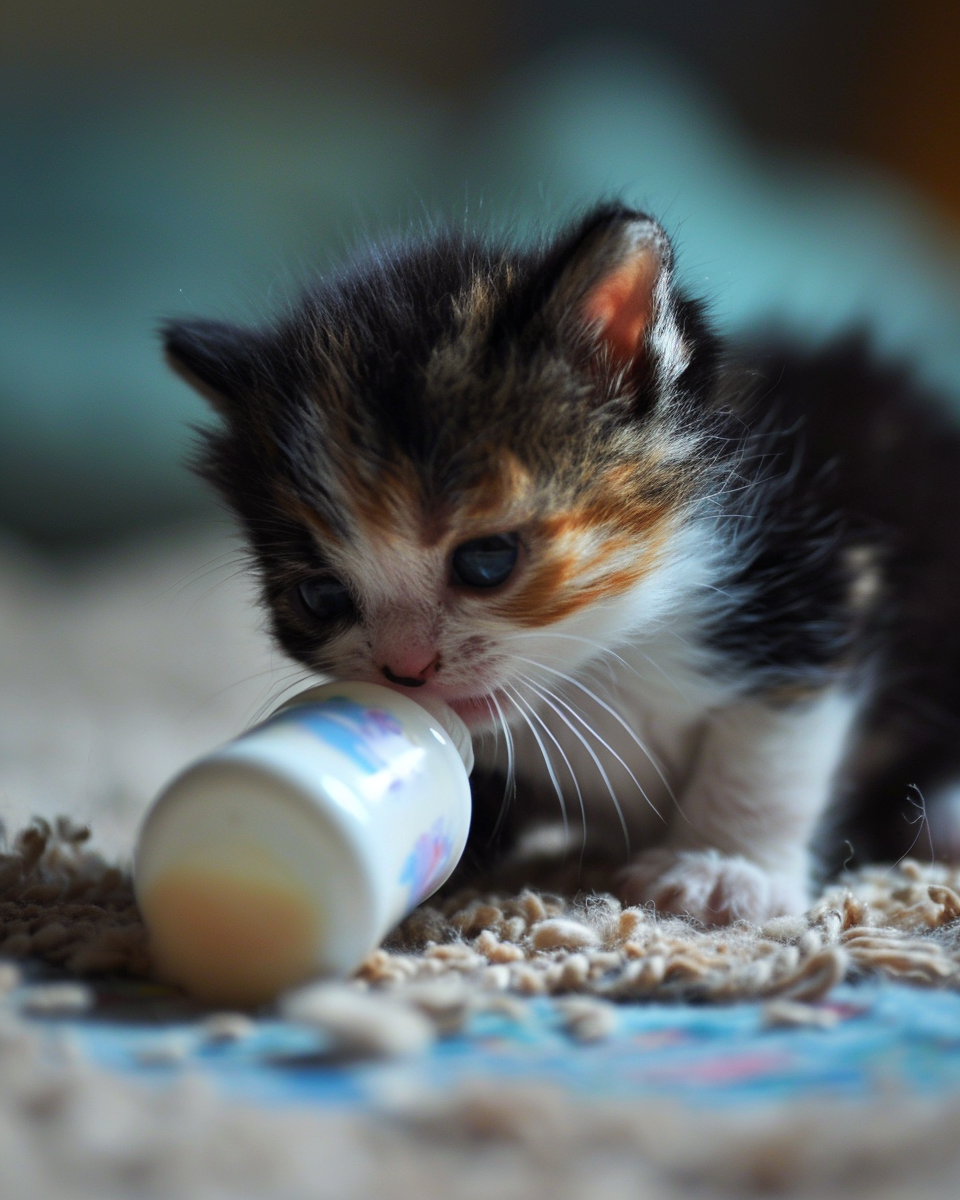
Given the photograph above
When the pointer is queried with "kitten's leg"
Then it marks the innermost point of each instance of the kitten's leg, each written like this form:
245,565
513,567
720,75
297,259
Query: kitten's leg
739,848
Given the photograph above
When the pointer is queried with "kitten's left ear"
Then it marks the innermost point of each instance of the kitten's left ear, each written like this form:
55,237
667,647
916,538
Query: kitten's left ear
614,282
217,359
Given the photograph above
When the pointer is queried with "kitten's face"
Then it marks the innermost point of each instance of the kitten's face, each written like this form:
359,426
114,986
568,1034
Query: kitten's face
462,603
459,466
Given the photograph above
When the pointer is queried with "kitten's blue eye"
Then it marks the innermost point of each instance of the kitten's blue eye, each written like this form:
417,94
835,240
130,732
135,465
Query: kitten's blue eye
325,598
485,562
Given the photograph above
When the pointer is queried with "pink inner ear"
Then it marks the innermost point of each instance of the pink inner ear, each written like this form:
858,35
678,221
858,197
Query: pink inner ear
620,306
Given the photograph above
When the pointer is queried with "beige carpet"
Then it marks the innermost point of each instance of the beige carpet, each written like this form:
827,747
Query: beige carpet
112,674
63,904
68,1129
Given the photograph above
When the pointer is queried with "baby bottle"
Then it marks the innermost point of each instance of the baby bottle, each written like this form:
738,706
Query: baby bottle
291,851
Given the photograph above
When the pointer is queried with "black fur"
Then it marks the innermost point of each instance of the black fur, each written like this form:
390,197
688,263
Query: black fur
857,456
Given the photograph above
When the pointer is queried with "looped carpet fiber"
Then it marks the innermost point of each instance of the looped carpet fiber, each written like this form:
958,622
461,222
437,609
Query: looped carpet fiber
63,904
70,1129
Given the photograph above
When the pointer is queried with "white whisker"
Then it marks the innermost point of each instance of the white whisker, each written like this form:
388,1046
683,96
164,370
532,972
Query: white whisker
572,637
510,787
282,692
634,737
548,762
494,729
607,652
574,712
546,697
567,763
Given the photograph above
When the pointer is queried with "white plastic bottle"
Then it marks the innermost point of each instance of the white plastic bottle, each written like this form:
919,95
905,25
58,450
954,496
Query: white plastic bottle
291,851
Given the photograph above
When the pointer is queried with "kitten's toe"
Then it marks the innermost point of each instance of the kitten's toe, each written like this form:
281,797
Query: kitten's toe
714,888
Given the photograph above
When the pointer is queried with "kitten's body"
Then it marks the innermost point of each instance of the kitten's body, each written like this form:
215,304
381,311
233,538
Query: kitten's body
712,592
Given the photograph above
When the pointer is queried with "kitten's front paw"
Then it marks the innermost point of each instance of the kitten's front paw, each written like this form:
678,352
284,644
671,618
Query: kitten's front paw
712,887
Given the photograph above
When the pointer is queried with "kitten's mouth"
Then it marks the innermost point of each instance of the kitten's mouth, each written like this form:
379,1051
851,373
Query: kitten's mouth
477,711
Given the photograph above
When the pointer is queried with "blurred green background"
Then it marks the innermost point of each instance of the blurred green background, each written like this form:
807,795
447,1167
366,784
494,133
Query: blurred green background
180,158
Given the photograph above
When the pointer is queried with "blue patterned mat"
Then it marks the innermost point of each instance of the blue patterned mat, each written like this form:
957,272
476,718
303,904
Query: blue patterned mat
887,1038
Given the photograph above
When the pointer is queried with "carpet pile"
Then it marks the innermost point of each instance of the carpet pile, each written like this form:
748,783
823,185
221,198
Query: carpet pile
69,1128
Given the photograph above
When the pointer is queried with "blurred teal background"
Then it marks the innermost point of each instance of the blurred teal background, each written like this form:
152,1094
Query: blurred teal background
166,159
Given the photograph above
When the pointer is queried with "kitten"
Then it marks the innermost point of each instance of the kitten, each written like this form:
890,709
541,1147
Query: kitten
708,592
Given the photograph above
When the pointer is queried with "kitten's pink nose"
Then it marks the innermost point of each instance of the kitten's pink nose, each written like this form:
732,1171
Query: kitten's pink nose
404,669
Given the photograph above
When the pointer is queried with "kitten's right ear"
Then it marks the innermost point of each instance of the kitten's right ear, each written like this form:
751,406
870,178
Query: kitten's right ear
613,279
217,359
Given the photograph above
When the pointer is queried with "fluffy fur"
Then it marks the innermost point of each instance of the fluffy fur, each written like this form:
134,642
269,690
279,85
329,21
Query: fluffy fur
724,579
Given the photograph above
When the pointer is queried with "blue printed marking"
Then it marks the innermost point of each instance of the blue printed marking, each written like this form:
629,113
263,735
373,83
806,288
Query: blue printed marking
367,736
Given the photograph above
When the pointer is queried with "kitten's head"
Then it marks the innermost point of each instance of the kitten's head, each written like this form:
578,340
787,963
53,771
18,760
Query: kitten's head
457,459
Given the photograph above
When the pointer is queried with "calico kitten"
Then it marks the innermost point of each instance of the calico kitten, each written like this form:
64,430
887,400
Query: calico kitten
708,592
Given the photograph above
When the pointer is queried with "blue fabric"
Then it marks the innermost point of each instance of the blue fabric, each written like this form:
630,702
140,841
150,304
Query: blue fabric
126,201
894,1038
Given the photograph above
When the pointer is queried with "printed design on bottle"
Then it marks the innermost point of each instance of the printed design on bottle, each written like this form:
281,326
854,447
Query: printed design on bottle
371,738
427,861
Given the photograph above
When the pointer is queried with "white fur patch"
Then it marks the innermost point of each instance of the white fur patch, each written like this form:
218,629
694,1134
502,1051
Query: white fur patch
669,346
608,704
762,779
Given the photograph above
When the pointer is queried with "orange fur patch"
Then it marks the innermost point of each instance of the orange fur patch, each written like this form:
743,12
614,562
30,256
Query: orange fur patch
549,595
389,502
564,582
502,500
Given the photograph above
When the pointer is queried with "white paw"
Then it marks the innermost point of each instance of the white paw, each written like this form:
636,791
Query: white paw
712,887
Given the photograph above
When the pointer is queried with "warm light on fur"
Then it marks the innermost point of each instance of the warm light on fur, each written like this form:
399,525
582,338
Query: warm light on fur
713,609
